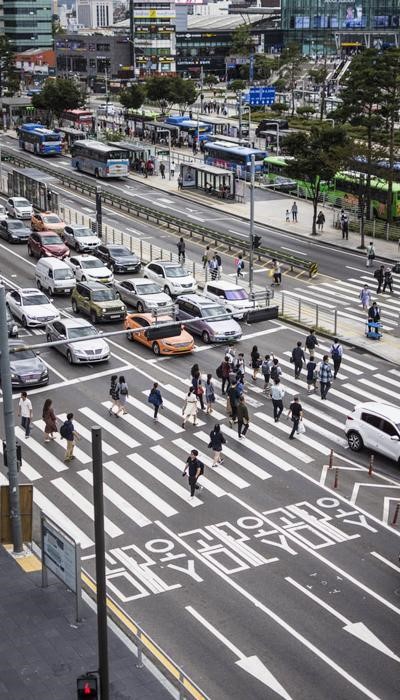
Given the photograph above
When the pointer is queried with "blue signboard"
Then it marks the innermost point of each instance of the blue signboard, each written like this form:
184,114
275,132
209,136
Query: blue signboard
260,96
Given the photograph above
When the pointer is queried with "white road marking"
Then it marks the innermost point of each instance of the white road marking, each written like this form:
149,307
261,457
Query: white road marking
118,501
84,505
40,451
164,479
110,427
180,464
292,250
136,424
140,489
386,561
49,509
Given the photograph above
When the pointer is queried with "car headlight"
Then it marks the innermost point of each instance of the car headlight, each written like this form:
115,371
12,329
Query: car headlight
14,376
14,329
45,373
104,311
122,308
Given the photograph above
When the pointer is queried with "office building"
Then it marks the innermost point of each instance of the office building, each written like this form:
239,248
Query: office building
27,23
94,14
101,61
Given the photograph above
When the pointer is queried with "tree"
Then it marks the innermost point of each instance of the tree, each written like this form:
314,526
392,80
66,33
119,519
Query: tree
279,107
317,156
57,96
293,59
9,81
56,27
390,72
166,92
319,77
237,85
262,66
242,43
184,93
210,80
361,97
305,111
133,97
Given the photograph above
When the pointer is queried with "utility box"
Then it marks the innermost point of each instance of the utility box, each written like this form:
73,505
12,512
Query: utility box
26,508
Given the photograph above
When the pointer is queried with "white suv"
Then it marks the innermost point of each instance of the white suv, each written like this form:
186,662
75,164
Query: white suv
172,277
376,426
88,268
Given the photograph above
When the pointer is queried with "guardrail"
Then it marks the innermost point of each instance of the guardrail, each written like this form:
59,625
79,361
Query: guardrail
169,220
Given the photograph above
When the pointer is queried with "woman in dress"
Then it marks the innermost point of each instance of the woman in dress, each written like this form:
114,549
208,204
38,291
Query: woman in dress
255,361
210,393
190,407
50,420
123,395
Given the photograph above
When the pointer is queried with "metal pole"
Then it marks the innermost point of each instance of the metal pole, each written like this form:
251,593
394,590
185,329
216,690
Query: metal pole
240,114
99,541
277,139
251,228
169,154
9,427
99,215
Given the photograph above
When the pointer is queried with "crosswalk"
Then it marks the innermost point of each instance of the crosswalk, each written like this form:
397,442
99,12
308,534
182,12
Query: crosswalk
344,295
144,461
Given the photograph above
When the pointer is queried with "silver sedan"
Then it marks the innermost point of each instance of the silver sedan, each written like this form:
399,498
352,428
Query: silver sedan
143,294
78,352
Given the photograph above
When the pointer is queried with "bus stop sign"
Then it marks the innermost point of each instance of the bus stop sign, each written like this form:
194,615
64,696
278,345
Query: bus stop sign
260,96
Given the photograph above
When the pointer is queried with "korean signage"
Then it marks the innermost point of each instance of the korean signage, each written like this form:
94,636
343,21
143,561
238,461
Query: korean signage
61,556
260,96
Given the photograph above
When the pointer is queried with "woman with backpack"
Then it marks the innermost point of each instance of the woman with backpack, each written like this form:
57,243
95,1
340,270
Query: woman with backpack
266,370
155,399
210,393
197,385
216,441
255,361
190,407
50,420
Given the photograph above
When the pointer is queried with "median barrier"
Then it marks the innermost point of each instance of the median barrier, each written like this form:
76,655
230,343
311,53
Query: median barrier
265,314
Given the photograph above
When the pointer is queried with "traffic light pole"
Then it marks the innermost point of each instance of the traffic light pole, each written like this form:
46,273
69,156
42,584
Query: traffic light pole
9,428
99,213
98,503
251,228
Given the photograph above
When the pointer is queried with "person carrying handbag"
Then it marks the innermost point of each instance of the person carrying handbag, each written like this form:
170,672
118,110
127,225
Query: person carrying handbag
190,407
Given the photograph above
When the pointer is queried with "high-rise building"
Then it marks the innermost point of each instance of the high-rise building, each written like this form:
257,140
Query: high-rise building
94,13
27,23
152,29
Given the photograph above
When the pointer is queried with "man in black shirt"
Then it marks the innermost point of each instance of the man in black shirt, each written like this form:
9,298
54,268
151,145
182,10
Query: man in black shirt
296,413
298,358
194,467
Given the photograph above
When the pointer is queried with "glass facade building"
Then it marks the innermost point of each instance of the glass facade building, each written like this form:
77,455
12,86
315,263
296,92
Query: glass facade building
27,24
320,25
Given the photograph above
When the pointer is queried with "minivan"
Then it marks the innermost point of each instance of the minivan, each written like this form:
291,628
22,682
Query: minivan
54,276
207,318
267,124
234,298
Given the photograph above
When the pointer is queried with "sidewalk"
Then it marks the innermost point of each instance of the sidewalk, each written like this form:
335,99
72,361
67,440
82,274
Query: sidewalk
43,650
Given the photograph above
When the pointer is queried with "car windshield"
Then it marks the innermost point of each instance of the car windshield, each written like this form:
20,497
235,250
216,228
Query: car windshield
51,240
103,295
211,311
81,332
177,271
15,225
65,274
52,219
35,300
120,251
83,232
22,355
236,294
20,202
90,264
148,289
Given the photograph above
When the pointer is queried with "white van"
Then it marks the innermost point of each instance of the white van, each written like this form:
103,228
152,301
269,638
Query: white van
232,296
54,276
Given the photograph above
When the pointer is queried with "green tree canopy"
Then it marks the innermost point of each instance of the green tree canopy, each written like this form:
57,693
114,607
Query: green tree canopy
242,43
293,59
57,96
166,92
133,97
317,156
9,80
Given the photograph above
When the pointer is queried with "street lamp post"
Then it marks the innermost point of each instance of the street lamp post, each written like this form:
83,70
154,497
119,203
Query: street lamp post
251,227
132,36
169,154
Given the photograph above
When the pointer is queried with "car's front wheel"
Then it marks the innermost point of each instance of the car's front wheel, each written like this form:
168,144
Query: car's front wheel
93,317
74,306
355,441
140,307
69,357
39,286
205,337
156,348
167,290
24,322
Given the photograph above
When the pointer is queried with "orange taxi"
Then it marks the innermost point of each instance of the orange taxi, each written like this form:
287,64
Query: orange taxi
47,221
163,346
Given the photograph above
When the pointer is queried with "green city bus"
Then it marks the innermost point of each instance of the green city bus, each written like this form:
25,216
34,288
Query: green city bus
343,191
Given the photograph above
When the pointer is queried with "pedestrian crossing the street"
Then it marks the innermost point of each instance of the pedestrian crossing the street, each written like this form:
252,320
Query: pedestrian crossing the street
144,460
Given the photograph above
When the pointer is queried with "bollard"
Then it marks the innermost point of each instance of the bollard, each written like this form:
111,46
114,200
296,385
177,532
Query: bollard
335,484
396,515
371,464
330,459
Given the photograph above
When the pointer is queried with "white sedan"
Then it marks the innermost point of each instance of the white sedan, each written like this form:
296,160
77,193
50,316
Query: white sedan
31,307
95,349
143,294
81,238
88,268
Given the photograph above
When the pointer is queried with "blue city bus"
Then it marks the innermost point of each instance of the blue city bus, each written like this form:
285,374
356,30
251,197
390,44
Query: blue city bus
99,159
191,126
39,140
229,156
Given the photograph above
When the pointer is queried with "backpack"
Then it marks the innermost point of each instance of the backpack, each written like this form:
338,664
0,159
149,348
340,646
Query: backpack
335,351
63,430
274,372
218,371
377,274
218,259
123,389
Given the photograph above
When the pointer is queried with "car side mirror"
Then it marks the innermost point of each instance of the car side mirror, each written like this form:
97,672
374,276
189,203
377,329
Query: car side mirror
62,336
117,295
37,353
395,437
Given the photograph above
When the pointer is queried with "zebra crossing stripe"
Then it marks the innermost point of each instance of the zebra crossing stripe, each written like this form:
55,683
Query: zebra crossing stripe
179,463
223,471
183,394
48,508
123,437
136,424
385,391
80,455
302,438
87,435
238,459
84,505
140,489
329,404
388,380
148,410
41,452
270,457
118,501
164,479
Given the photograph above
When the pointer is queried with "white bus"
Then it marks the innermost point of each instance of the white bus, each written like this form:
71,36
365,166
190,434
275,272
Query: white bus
99,159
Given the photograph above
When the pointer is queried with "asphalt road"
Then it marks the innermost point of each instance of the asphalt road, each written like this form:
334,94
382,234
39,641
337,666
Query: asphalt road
271,583
333,264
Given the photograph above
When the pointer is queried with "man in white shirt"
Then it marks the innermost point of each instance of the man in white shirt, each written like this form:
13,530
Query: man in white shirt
277,394
25,412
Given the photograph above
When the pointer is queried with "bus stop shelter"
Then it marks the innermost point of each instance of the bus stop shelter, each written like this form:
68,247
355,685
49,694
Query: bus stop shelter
209,178
34,185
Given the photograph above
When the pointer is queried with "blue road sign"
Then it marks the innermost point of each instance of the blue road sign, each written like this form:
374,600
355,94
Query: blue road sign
260,96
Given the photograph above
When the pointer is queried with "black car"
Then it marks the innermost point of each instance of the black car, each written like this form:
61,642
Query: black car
27,369
14,231
118,258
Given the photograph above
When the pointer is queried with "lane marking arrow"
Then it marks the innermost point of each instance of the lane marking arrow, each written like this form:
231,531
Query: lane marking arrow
250,664
357,629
